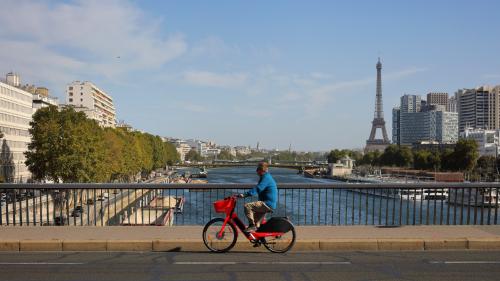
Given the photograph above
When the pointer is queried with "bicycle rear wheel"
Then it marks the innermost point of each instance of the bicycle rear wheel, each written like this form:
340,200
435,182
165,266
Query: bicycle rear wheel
219,243
280,244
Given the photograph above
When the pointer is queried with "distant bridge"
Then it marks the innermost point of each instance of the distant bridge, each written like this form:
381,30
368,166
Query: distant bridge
294,165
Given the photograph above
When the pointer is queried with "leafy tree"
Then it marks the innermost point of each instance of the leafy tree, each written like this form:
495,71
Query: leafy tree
466,154
336,155
225,154
65,146
371,158
193,155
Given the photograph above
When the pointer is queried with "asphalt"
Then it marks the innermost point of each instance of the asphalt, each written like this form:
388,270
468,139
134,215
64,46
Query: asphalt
420,265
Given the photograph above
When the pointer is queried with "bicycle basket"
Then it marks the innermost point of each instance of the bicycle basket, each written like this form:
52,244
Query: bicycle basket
222,206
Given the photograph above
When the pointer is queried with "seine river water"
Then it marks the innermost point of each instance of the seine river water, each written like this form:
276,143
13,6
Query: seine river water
325,206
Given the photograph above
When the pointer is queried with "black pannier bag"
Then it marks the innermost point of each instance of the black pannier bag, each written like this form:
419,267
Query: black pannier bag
276,224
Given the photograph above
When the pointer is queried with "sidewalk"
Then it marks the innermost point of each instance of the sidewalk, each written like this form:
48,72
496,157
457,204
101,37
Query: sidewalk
188,238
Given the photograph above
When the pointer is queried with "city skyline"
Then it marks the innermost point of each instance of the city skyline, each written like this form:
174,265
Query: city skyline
213,72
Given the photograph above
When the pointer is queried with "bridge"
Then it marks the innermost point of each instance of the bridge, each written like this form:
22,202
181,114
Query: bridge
278,164
350,220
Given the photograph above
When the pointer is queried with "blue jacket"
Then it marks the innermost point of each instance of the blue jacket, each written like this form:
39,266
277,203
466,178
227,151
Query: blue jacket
266,189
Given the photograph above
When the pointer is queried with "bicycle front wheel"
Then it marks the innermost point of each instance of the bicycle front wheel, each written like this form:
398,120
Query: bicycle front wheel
280,244
216,241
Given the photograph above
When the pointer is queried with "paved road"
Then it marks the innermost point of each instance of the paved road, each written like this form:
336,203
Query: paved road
452,265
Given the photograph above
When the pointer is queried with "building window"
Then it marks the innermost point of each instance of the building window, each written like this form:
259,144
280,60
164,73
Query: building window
70,100
81,94
70,94
81,99
71,88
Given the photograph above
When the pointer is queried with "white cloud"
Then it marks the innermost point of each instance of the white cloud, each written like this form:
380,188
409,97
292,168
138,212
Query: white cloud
62,40
212,79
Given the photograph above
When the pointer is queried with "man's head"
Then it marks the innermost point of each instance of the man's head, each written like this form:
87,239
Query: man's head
262,168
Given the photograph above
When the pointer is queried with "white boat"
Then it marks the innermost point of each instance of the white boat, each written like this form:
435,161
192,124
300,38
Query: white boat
478,197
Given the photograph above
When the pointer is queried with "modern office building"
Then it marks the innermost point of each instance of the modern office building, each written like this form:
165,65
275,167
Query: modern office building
15,115
97,104
396,112
434,125
479,108
437,99
410,103
452,104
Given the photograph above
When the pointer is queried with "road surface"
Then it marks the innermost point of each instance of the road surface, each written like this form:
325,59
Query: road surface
122,266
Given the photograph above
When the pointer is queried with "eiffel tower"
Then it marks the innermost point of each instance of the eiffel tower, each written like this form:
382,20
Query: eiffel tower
378,122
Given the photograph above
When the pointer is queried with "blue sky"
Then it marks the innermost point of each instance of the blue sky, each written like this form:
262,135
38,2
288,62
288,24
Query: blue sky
239,72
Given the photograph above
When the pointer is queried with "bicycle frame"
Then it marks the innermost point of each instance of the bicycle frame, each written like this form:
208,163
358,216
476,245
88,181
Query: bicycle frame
233,218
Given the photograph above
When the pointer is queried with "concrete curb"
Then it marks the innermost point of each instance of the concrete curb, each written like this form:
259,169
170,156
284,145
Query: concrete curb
9,245
196,245
484,243
40,245
400,244
446,244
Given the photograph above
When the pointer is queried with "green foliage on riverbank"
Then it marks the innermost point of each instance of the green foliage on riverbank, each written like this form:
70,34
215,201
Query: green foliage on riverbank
67,146
464,157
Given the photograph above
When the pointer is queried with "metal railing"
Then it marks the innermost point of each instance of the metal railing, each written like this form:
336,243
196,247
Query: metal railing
387,204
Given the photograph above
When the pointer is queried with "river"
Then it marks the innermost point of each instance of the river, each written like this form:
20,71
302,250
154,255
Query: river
325,207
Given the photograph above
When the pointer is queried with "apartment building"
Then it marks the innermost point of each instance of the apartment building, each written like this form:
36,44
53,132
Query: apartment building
97,104
15,115
479,108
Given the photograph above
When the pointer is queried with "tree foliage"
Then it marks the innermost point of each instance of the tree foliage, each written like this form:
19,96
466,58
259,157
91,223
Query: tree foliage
66,146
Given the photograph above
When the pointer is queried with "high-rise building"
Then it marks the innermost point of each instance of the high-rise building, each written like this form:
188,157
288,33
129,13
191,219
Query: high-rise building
437,99
428,126
452,104
396,113
479,108
378,120
15,115
97,104
411,103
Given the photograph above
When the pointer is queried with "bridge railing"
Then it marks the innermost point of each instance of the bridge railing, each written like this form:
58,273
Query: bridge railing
387,204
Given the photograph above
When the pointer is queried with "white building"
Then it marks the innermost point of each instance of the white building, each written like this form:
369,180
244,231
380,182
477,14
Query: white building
342,167
210,152
487,140
96,104
15,115
40,101
243,150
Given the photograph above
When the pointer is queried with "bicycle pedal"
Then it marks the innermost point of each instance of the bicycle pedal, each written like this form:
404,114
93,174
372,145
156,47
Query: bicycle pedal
256,245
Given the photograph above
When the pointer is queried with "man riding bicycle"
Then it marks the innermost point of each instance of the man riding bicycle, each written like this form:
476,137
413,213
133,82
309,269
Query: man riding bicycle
267,192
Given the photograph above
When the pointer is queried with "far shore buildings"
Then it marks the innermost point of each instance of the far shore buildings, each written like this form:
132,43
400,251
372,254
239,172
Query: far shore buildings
479,108
488,141
416,121
94,102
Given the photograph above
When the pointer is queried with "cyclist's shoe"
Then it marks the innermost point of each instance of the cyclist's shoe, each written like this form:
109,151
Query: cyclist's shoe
251,228
256,245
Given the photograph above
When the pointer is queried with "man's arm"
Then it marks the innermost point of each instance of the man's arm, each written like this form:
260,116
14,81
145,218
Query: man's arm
258,188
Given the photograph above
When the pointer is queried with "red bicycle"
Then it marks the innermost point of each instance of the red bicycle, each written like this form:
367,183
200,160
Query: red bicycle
220,234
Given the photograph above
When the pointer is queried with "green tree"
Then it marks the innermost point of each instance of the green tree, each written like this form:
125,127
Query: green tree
466,154
65,146
193,155
337,154
225,154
